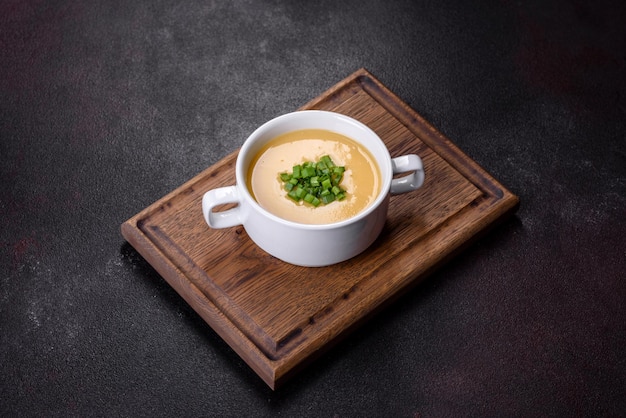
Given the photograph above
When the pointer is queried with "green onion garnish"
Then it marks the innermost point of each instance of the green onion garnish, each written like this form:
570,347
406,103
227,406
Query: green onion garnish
315,182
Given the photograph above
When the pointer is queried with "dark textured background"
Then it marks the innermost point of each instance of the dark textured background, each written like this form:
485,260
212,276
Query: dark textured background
106,106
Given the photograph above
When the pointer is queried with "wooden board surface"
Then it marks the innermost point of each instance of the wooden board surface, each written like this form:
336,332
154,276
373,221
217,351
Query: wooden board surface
277,316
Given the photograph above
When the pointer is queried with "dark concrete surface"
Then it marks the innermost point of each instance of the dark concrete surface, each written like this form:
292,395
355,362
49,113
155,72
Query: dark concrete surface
105,106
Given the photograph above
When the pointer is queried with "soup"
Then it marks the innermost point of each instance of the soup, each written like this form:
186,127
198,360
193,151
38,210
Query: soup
361,179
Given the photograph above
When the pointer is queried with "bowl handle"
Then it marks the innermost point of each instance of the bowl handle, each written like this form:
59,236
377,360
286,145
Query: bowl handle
410,182
225,218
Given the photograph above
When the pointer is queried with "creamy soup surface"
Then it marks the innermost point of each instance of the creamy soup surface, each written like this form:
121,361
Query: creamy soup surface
361,179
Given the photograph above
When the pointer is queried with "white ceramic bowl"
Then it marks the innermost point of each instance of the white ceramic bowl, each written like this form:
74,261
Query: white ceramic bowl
305,244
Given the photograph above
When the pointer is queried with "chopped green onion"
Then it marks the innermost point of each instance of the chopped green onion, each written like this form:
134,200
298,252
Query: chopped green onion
315,182
308,172
292,194
326,160
326,199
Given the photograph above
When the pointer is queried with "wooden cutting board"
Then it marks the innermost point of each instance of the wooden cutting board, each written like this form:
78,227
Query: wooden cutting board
278,317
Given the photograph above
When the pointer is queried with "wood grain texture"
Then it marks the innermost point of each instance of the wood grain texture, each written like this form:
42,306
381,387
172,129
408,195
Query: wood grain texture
277,316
